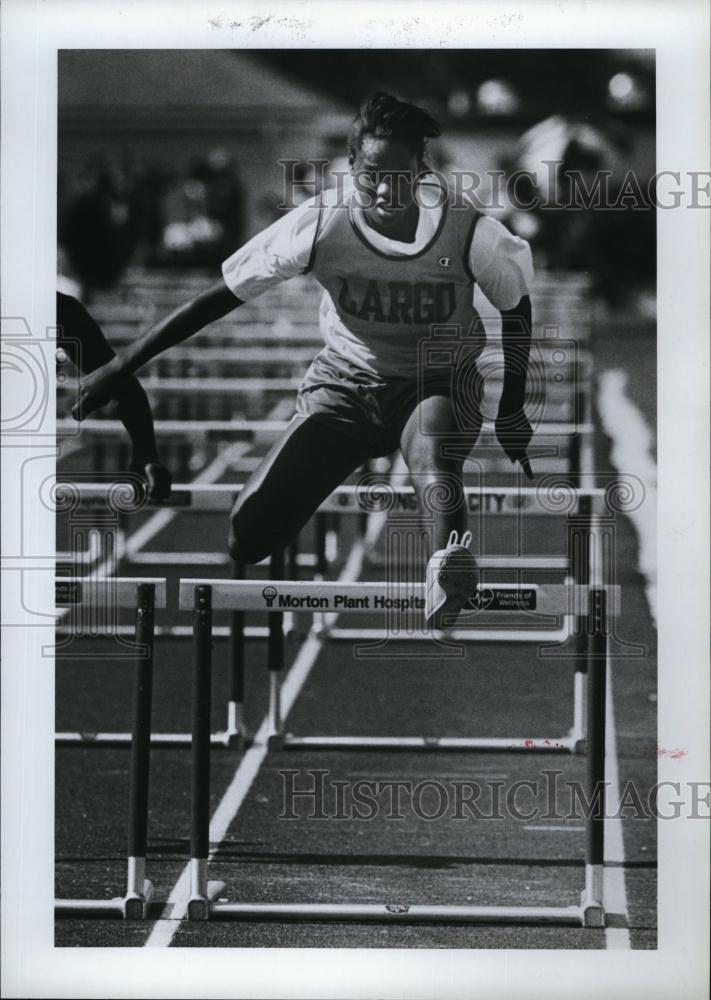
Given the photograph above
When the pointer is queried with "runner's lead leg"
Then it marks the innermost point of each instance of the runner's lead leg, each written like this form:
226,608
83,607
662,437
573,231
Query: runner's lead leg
306,464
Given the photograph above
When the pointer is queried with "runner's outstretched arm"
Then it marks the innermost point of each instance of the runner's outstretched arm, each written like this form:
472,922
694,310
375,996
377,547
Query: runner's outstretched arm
99,387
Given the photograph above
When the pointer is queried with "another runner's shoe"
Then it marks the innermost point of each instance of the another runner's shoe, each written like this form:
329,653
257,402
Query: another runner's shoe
452,577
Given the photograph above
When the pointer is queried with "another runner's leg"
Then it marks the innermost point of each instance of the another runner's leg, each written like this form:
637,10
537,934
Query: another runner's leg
305,465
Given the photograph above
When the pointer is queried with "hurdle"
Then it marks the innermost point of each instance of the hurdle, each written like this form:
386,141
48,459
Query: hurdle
270,361
201,596
247,429
235,735
494,601
230,386
234,385
560,497
145,595
349,500
359,499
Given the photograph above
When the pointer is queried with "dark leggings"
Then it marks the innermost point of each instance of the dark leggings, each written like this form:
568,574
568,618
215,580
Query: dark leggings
80,336
303,468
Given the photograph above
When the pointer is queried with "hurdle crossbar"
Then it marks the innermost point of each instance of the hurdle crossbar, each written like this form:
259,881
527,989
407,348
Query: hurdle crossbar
219,386
398,599
558,497
295,359
250,428
203,904
87,591
166,385
147,596
249,354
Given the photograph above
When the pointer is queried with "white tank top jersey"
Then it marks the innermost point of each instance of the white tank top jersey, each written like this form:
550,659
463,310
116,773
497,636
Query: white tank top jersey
381,297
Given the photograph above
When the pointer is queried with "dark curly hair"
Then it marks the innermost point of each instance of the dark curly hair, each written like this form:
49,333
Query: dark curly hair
382,115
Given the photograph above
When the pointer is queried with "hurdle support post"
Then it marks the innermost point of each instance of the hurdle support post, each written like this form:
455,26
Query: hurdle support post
139,890
275,659
200,890
320,532
579,544
592,904
235,732
318,625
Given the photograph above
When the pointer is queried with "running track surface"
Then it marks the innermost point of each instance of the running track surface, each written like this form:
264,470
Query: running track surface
495,690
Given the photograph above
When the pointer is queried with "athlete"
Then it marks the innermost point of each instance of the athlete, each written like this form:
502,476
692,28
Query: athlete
80,338
396,256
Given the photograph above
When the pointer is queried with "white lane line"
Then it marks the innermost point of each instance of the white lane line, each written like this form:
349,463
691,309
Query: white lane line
614,889
632,453
177,903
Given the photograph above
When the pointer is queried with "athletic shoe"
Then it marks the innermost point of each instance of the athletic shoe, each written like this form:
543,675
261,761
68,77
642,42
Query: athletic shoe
452,577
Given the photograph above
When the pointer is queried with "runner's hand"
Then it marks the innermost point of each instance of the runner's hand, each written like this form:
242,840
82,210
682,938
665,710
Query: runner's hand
158,481
514,434
97,389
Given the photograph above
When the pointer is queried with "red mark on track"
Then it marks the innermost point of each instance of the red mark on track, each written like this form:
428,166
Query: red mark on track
529,743
677,754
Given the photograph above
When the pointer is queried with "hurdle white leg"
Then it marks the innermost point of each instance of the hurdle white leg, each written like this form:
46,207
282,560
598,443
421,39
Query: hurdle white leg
591,900
274,713
397,913
464,635
577,735
236,725
139,890
513,744
202,891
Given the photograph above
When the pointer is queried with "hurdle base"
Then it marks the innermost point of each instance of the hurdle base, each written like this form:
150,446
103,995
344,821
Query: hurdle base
592,910
234,740
135,905
227,739
132,906
455,635
288,741
199,906
395,912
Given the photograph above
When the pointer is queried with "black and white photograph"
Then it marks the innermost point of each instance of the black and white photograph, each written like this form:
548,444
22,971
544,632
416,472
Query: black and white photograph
350,514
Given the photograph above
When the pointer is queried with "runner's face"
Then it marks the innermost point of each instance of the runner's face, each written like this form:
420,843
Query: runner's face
385,171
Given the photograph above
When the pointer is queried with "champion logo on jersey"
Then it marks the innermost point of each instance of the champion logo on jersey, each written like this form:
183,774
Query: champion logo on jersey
445,261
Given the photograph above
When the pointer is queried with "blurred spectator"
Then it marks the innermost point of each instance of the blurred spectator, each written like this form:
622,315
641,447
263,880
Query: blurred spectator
204,213
97,225
615,246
